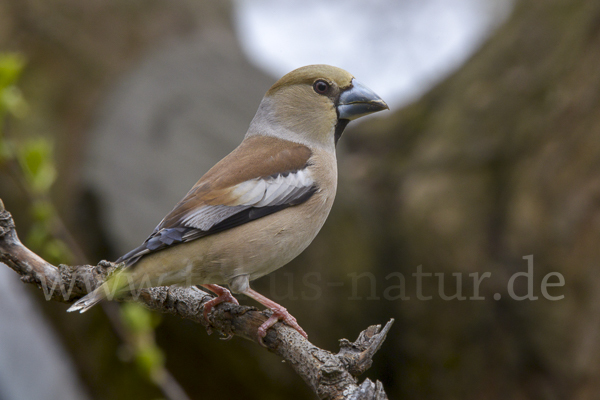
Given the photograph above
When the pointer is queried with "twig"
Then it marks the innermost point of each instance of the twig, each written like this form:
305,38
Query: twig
330,376
165,381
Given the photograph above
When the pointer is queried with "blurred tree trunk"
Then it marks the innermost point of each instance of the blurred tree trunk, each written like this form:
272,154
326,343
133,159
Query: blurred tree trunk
499,162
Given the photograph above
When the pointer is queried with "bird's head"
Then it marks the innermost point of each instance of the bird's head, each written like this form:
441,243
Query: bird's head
313,104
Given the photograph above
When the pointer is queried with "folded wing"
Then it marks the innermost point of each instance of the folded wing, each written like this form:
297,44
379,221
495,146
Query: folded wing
217,202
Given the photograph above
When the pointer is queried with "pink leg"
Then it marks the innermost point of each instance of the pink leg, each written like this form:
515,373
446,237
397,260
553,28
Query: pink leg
279,313
223,295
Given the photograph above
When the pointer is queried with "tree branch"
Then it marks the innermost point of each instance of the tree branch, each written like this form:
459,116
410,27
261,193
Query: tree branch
330,376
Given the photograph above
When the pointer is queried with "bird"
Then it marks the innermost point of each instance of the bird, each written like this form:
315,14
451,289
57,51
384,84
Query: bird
260,206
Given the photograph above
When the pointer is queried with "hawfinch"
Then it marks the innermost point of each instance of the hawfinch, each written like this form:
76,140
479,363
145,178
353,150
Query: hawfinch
260,206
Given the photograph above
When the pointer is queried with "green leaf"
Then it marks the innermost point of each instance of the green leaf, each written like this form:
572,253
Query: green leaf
140,324
11,66
57,251
150,359
12,100
35,158
42,210
139,319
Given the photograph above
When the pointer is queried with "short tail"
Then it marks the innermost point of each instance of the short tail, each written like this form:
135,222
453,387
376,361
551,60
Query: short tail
89,300
113,287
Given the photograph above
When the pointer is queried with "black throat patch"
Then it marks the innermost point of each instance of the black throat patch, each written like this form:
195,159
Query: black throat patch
339,129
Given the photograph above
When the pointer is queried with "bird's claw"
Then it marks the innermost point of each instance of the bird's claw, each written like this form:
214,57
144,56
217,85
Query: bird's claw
224,295
279,314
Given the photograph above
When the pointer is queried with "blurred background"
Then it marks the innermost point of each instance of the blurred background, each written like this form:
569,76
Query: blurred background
111,110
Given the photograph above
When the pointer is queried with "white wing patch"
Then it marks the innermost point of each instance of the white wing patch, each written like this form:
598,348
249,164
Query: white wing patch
205,217
279,189
262,192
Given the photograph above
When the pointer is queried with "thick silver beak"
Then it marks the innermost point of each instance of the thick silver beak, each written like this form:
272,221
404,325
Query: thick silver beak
358,101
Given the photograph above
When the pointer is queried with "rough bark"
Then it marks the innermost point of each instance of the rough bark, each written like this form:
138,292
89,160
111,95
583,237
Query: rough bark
330,376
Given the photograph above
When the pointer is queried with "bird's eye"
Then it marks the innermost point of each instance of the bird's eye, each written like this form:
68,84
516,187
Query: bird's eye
321,86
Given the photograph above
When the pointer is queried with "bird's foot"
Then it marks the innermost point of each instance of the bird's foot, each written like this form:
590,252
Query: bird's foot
280,314
223,295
